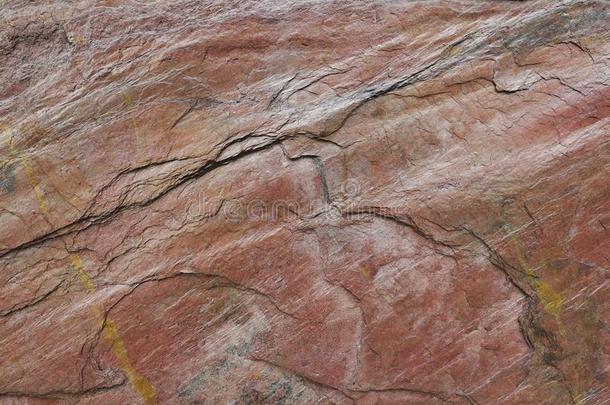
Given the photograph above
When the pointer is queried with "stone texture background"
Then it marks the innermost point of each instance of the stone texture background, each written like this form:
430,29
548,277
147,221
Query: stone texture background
278,202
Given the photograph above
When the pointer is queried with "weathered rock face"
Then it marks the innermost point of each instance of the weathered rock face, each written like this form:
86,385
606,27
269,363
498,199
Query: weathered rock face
305,202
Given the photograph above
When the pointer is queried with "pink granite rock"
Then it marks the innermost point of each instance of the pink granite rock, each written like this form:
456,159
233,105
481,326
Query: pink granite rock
274,202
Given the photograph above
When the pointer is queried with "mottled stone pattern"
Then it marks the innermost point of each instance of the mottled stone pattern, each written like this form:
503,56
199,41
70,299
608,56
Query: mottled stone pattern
304,202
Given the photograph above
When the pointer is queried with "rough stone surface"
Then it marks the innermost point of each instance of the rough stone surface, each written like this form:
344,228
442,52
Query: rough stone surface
278,202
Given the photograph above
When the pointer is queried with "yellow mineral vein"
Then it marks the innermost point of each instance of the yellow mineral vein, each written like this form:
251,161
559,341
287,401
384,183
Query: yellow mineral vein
551,300
29,170
140,384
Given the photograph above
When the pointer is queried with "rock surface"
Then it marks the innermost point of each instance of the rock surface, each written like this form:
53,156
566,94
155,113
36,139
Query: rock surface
268,201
